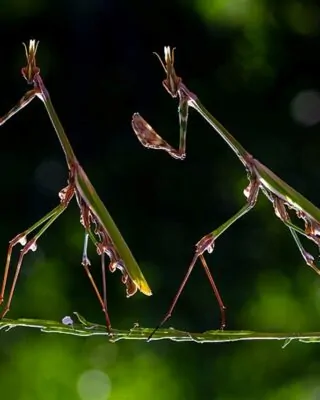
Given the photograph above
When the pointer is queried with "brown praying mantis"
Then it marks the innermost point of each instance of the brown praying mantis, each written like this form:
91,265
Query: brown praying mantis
282,196
95,218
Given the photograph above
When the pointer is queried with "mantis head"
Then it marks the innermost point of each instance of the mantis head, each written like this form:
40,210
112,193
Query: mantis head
31,70
172,82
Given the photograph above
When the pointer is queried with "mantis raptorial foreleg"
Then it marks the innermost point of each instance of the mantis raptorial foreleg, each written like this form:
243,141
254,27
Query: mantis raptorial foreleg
150,139
25,100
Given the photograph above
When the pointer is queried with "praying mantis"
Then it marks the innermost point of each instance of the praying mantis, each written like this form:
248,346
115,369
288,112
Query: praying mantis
95,218
282,196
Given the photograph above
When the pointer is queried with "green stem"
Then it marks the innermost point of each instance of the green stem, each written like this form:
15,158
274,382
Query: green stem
85,328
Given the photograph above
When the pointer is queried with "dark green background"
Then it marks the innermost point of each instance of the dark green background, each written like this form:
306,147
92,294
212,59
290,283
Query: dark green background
246,60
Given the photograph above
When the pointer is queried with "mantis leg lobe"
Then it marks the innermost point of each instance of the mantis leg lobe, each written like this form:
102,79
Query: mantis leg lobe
281,212
308,258
205,244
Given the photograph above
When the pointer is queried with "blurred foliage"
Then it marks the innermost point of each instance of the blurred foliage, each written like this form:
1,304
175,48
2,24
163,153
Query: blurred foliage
247,60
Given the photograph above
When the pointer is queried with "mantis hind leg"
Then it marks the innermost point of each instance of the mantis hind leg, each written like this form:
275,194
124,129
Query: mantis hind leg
30,245
86,264
150,139
207,244
65,195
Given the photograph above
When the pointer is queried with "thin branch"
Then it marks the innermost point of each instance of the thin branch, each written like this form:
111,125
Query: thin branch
85,328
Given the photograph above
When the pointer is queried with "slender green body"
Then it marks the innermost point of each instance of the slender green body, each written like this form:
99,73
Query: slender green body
97,207
223,132
269,179
92,199
276,185
64,141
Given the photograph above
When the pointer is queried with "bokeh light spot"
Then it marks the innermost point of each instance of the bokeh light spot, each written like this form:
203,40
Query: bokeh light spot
94,385
303,18
305,107
15,9
230,12
103,355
